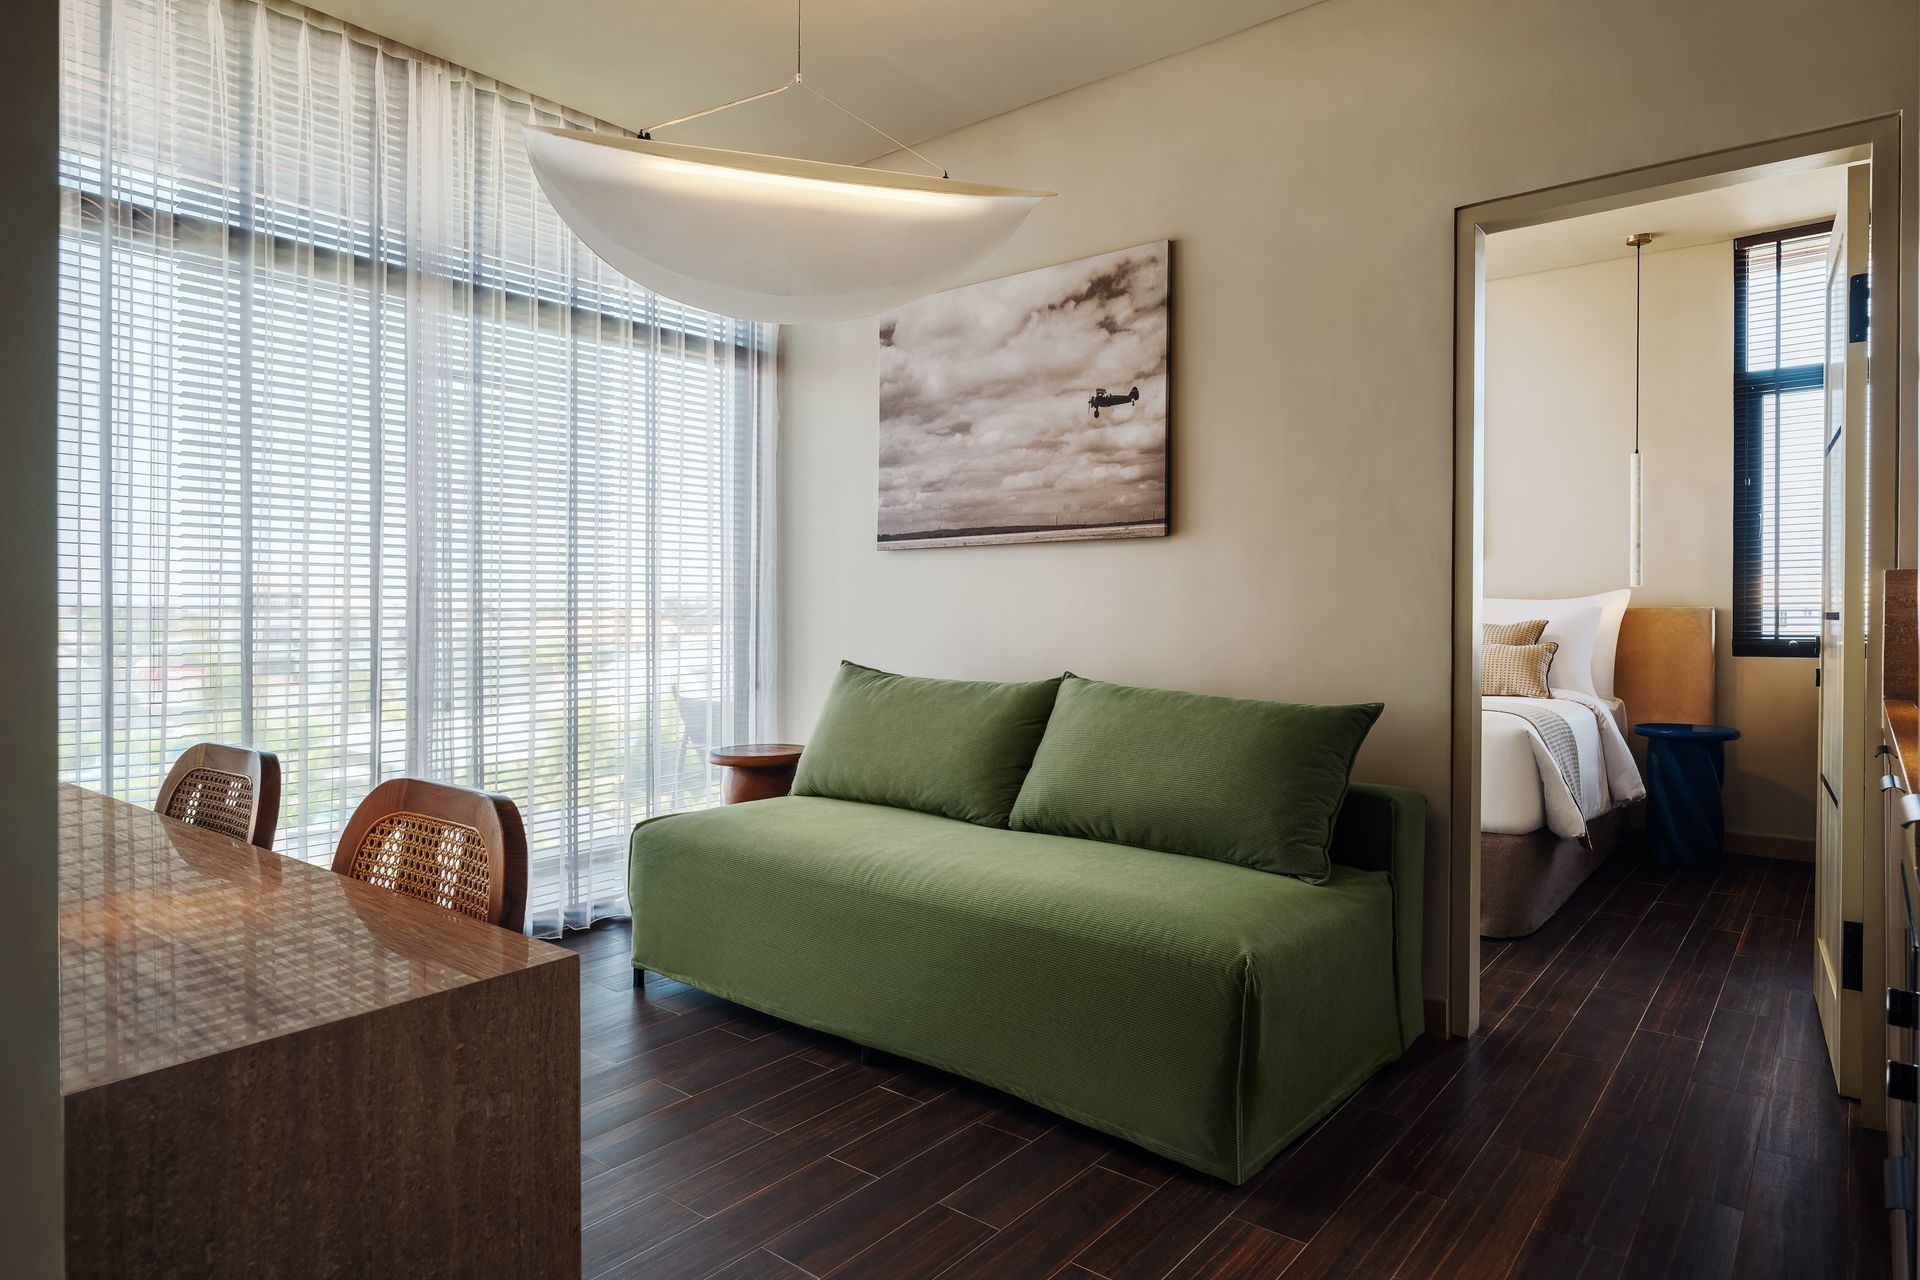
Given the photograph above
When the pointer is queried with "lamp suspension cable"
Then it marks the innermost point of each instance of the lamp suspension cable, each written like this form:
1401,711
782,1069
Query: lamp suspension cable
798,81
1636,497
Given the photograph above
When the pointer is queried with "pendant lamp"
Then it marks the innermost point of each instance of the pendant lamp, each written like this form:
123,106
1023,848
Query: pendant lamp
769,238
1636,501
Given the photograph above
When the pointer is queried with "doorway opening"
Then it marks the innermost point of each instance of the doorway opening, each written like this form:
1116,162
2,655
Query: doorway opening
1667,471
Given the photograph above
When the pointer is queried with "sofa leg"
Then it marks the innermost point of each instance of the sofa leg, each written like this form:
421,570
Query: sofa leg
640,980
866,1056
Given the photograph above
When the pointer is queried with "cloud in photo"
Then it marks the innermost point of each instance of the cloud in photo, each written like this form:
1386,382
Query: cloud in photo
984,421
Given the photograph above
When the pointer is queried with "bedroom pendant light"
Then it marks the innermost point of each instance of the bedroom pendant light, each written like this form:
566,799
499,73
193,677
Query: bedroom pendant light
769,238
1636,503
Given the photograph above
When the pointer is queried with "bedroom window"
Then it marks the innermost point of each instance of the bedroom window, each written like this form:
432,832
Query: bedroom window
1779,322
367,461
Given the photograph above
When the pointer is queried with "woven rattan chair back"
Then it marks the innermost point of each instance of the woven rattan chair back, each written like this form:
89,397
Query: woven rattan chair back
459,849
232,790
698,716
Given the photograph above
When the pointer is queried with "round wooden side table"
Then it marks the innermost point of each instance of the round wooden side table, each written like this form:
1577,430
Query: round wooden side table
756,770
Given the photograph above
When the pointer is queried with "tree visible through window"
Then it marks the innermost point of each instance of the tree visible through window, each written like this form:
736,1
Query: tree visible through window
1779,331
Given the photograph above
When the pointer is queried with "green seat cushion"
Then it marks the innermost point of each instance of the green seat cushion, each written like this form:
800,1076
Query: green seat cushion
1232,779
1200,1009
957,748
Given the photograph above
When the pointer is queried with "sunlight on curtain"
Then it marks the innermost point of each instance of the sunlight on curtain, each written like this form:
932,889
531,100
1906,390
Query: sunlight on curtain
366,461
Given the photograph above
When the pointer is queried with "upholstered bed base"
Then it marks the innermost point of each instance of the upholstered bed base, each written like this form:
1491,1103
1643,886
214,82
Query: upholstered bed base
1525,879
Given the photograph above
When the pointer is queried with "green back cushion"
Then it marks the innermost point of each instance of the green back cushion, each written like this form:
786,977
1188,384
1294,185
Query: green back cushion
957,748
1254,783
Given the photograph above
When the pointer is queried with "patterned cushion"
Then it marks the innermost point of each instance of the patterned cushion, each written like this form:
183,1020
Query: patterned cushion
1516,670
1512,632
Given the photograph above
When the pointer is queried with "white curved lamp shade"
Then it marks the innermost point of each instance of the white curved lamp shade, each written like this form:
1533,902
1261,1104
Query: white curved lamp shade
764,237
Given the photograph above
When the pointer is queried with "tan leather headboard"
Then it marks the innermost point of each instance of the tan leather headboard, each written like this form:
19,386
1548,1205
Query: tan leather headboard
1663,670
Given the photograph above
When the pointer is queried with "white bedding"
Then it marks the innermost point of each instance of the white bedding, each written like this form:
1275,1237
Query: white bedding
1514,796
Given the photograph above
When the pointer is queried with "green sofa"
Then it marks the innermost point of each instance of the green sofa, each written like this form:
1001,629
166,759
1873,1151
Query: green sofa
1200,1008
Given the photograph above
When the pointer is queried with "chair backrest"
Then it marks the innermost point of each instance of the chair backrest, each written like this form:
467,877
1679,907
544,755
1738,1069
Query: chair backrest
698,719
457,848
232,790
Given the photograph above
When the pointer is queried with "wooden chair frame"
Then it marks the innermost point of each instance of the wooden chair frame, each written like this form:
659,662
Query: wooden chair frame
261,769
495,817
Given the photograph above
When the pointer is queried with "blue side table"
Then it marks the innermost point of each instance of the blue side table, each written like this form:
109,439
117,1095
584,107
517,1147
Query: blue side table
1685,766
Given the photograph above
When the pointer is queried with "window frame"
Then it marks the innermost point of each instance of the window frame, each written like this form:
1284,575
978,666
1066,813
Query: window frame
1750,393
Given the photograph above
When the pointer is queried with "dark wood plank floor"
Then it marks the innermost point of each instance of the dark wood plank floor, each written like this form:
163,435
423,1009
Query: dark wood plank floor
1649,1097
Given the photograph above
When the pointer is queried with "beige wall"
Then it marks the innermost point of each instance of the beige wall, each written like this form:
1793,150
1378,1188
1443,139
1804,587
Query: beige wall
30,1181
1308,172
1559,425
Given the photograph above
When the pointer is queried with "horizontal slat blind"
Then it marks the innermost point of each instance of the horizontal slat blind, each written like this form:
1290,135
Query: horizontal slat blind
1780,318
367,461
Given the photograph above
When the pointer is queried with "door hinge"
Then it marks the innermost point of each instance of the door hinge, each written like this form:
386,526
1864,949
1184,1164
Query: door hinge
1852,953
1896,1182
1816,677
1857,309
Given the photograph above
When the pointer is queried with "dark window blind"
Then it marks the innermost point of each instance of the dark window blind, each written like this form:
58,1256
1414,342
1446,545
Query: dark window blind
1779,334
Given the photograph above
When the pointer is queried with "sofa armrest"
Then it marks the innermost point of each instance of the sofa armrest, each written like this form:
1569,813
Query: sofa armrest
1383,828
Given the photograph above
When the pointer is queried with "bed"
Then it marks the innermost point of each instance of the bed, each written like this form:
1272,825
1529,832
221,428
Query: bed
1558,776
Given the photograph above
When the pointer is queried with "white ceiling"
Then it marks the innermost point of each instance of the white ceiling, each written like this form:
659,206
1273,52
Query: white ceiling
1707,217
917,69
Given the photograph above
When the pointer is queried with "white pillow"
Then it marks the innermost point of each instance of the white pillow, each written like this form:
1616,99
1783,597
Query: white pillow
1576,631
1606,645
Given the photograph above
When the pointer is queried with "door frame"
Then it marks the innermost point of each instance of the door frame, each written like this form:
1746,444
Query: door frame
1875,140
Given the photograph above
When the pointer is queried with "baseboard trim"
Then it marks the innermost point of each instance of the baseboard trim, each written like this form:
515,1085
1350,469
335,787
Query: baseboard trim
1760,845
1434,1009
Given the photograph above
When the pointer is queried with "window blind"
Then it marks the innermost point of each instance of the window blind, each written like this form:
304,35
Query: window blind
1780,319
367,461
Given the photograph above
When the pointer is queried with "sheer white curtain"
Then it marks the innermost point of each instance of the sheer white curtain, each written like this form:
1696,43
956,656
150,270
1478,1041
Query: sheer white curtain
368,462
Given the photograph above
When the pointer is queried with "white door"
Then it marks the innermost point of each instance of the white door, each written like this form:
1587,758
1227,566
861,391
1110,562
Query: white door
1839,840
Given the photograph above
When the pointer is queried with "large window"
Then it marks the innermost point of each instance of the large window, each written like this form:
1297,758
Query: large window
1779,337
366,461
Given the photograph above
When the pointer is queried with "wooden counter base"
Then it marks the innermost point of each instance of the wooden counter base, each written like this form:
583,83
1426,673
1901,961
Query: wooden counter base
268,1069
374,1146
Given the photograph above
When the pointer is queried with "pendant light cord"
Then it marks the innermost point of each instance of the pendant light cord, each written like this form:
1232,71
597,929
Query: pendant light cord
799,80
